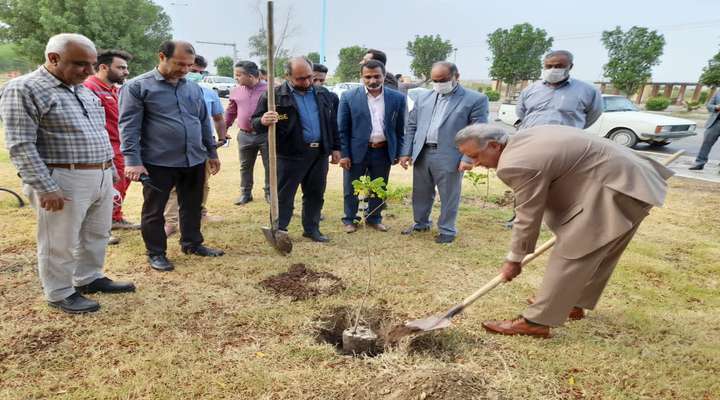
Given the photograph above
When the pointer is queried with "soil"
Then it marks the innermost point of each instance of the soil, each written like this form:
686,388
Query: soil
426,385
301,283
331,325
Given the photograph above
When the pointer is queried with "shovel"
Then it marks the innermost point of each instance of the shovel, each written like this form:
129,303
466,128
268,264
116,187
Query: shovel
443,321
277,238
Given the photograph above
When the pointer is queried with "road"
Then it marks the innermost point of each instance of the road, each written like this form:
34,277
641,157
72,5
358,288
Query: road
691,145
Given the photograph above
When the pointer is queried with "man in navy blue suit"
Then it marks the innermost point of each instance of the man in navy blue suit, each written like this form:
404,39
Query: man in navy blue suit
371,123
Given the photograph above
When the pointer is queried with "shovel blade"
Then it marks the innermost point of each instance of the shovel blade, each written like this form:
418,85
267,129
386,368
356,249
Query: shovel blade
429,324
279,240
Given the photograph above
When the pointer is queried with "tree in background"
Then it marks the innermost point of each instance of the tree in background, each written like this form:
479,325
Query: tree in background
631,56
517,53
11,61
711,74
314,57
258,42
426,50
136,26
224,66
348,69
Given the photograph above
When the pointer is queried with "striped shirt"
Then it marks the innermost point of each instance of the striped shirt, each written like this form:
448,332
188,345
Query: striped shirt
49,122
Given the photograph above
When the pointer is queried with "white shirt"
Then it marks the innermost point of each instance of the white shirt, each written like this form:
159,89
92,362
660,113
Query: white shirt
377,116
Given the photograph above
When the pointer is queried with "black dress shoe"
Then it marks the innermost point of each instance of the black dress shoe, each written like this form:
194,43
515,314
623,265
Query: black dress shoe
203,251
697,167
414,228
106,285
160,263
76,304
316,237
443,238
243,200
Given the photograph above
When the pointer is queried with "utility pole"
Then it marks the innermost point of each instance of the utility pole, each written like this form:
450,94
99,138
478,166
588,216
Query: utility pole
233,45
323,26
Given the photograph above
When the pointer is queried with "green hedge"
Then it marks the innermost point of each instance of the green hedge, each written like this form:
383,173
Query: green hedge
658,103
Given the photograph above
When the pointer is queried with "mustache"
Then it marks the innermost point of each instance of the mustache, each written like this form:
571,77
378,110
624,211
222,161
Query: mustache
374,85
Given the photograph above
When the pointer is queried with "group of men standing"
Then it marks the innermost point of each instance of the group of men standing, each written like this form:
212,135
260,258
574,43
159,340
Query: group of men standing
71,137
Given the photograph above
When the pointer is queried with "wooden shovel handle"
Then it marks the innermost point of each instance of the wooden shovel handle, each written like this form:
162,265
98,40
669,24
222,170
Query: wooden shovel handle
272,152
528,258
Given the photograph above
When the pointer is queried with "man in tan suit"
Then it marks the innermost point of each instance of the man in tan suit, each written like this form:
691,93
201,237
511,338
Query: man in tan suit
592,193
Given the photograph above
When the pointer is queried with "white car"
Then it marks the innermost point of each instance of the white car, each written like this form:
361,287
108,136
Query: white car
342,87
623,123
220,84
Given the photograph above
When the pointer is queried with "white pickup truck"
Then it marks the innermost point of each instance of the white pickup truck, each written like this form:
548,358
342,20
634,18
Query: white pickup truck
623,123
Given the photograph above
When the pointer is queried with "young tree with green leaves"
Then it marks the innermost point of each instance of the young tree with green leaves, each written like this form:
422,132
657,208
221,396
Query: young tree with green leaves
516,53
136,26
426,50
348,70
631,56
224,66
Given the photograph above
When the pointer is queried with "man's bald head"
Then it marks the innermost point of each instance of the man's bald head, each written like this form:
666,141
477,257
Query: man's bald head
70,57
176,58
299,72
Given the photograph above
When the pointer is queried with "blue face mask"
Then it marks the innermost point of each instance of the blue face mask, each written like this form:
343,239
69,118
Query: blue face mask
194,76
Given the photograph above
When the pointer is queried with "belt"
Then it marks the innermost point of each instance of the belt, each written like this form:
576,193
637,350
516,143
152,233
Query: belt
431,145
313,145
247,132
102,165
377,145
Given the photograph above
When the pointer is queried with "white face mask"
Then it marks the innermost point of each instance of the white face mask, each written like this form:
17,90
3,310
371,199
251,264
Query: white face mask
555,75
444,87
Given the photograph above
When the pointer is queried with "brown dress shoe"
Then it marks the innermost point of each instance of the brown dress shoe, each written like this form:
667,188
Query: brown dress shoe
378,227
519,326
576,313
350,228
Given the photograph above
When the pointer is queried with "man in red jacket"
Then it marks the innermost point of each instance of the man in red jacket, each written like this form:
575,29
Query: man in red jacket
112,69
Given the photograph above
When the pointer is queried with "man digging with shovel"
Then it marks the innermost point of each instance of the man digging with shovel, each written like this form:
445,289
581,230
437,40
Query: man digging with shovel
592,194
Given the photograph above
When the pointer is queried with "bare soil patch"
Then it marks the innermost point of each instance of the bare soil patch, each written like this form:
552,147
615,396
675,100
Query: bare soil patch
301,283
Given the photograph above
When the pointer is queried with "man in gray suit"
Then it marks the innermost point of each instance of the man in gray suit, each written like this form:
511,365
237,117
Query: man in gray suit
712,133
429,145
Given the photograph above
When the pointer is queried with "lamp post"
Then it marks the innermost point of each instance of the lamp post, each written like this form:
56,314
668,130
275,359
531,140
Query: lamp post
233,45
323,27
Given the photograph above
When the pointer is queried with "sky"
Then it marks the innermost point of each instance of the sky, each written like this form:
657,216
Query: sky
691,28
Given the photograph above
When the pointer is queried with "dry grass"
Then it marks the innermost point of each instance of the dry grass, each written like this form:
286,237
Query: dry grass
209,331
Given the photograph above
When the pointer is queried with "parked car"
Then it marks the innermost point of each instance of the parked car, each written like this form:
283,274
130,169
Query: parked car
342,87
623,123
220,84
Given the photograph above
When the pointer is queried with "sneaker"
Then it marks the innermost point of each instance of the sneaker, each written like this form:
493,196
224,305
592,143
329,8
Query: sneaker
124,224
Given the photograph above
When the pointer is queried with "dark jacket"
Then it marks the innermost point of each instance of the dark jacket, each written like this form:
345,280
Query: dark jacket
289,133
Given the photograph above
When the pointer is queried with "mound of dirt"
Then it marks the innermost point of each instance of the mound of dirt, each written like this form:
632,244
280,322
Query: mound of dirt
426,384
301,283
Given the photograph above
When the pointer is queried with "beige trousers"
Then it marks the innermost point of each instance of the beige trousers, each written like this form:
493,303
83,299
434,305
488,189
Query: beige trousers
71,243
575,283
172,207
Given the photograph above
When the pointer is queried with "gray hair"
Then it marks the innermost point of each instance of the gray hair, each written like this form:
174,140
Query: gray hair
563,53
482,134
58,43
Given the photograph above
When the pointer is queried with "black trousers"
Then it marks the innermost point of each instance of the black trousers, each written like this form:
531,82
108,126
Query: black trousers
376,164
310,173
188,182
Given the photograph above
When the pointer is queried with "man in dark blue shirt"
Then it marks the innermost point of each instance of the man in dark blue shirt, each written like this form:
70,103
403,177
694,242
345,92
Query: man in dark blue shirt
166,134
306,131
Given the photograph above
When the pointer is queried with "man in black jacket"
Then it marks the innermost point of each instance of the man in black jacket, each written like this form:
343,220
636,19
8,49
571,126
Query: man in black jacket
306,131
